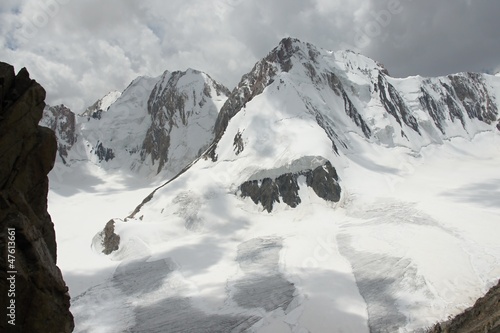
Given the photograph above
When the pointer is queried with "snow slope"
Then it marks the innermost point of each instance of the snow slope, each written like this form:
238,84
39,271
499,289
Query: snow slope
102,105
443,221
245,239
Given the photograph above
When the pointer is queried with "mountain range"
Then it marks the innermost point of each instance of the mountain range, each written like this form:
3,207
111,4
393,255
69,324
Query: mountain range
319,195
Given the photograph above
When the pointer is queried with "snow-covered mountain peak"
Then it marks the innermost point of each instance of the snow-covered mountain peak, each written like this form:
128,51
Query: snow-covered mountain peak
188,82
301,64
157,124
299,58
183,106
101,105
349,93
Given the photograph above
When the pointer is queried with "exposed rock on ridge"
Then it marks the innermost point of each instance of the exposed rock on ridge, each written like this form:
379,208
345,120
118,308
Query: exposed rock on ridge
362,85
322,179
461,96
27,154
171,104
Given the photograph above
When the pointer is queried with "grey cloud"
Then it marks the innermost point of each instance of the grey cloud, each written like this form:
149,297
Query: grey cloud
91,47
440,37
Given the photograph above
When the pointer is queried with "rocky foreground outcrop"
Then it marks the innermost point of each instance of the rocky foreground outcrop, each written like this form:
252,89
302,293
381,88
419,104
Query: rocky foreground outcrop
34,294
483,317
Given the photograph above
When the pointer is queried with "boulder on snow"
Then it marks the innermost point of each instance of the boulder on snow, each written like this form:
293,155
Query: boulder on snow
110,240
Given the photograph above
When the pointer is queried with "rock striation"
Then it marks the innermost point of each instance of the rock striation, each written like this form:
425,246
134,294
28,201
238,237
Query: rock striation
27,154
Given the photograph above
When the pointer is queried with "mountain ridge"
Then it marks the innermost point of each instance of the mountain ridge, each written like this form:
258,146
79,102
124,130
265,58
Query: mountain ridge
453,100
146,128
445,97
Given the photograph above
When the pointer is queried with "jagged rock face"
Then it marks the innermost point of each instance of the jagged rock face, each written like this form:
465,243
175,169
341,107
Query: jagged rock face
176,100
110,240
394,104
458,97
27,154
322,179
484,316
238,144
155,125
62,121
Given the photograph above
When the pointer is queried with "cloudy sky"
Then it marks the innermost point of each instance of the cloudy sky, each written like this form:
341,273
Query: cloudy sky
79,50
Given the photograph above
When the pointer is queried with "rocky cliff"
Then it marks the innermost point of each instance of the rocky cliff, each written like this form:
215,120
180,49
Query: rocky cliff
32,287
483,317
267,190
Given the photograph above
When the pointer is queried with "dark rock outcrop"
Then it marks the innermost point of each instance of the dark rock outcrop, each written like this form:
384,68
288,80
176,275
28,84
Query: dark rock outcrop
94,111
323,180
110,240
471,91
104,154
238,144
394,104
466,96
483,317
265,191
27,154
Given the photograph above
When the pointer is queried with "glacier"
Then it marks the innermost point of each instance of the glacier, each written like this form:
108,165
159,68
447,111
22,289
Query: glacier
411,239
